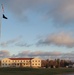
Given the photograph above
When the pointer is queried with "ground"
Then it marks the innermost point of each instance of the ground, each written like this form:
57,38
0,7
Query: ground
31,71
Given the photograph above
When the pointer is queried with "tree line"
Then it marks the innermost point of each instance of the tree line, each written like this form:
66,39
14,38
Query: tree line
56,63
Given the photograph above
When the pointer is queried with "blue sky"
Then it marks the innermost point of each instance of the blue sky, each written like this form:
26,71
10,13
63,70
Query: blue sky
37,28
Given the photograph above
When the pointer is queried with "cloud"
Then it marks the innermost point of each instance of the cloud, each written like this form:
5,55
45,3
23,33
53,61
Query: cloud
60,11
46,55
68,56
58,39
40,54
15,42
22,44
10,42
28,53
4,54
22,54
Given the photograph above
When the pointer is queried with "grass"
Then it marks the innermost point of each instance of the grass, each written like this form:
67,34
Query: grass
32,71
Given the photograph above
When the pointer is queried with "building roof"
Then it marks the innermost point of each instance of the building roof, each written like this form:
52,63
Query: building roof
20,58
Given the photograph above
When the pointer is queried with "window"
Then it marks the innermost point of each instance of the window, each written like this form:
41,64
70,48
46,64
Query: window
26,63
2,64
32,64
5,64
3,60
38,60
9,64
38,64
18,64
35,60
13,60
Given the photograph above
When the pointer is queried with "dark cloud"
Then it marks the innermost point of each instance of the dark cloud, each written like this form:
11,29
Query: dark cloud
58,39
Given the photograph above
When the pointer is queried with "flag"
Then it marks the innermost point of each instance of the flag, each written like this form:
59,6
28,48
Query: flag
3,12
4,17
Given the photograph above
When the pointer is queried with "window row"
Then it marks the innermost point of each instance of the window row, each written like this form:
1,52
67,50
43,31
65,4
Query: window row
35,60
35,64
17,64
17,61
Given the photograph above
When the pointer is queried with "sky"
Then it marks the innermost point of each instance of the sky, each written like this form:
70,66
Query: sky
37,28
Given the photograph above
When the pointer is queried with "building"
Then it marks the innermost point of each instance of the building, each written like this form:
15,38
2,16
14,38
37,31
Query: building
21,62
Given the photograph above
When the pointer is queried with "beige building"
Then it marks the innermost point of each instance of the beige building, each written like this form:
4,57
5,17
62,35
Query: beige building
21,62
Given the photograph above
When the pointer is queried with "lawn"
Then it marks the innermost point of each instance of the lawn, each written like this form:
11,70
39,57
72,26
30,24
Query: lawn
31,71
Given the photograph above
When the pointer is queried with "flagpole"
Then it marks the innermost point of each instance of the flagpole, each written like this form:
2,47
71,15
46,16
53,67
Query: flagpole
0,26
2,16
0,35
2,11
0,30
